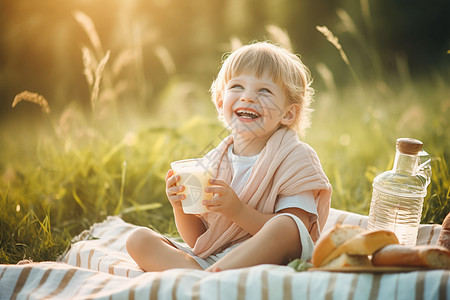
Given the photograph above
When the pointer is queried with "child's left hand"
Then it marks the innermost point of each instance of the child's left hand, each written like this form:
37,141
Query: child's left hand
224,200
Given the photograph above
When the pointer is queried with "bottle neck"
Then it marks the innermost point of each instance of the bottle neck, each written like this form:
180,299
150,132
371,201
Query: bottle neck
406,164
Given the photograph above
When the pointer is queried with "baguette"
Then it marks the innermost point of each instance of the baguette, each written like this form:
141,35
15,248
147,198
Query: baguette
428,256
365,243
444,236
346,260
332,239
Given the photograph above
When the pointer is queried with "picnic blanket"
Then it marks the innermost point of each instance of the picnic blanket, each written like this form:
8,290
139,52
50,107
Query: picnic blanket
97,266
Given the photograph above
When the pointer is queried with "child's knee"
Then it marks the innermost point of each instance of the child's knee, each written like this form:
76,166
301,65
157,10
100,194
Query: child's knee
283,224
140,239
283,229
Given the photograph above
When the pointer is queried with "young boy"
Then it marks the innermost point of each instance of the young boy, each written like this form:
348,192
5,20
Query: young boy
271,196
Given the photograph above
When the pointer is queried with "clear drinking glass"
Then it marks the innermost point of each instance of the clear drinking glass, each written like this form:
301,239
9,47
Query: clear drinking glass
194,176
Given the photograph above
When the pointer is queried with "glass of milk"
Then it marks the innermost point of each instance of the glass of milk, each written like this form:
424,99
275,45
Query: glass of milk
194,176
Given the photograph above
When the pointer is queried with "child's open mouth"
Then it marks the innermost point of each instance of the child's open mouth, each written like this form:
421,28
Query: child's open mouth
247,114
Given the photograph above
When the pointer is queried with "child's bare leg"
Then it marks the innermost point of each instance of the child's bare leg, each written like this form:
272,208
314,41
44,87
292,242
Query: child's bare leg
276,243
153,253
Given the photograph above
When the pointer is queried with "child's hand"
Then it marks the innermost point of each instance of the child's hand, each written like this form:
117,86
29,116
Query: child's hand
172,189
224,200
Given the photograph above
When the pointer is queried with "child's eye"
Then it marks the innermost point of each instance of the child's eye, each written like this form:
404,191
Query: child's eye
265,90
236,86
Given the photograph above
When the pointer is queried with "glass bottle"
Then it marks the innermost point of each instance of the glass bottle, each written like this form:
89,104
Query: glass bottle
397,197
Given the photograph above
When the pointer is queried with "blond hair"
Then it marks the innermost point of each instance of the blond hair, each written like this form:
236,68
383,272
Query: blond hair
284,67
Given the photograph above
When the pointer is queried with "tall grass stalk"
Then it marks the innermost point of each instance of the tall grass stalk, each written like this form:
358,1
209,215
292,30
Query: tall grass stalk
122,187
335,42
33,98
94,62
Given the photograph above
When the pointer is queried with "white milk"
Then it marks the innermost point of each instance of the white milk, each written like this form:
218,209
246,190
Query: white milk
195,176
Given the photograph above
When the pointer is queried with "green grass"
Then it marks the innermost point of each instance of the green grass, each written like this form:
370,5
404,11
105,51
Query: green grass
58,179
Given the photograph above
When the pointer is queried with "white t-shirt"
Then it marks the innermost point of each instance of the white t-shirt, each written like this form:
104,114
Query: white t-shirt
242,168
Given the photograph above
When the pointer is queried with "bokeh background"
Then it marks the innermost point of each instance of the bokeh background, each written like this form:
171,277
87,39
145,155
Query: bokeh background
126,84
41,41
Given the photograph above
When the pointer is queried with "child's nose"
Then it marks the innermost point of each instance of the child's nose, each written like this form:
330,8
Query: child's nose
248,97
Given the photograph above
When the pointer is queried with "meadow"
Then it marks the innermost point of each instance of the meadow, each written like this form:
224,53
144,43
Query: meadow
63,170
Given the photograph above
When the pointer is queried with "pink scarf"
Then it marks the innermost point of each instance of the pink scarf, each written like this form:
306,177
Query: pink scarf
285,167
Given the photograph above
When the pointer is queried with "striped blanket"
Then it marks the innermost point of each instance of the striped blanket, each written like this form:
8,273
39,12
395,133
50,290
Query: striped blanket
98,267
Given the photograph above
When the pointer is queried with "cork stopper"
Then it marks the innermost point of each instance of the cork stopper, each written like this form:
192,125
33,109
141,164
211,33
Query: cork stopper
409,146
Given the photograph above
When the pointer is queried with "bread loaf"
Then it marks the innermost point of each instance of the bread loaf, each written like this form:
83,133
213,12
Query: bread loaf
429,256
365,243
444,236
346,260
349,245
332,239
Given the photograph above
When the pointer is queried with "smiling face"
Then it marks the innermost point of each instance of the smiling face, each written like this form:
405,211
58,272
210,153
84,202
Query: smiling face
255,107
259,60
253,73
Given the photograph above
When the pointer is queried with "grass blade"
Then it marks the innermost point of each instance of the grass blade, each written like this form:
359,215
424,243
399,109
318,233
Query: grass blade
122,187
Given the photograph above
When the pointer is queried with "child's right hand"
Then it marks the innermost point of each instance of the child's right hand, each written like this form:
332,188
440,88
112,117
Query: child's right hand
172,189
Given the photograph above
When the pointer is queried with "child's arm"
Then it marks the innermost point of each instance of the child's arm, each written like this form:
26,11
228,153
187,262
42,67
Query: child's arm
227,202
189,226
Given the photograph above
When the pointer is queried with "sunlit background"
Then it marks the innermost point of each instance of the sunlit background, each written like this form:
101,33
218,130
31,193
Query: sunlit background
153,42
122,90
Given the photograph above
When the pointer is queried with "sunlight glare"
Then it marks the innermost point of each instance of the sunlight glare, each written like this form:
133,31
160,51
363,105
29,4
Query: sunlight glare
344,139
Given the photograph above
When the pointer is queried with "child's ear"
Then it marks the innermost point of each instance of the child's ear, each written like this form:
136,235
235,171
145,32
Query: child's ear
219,106
291,114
